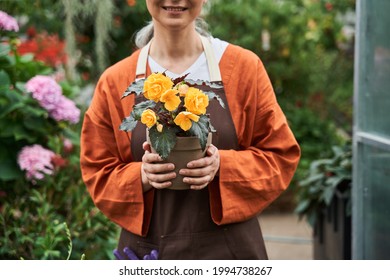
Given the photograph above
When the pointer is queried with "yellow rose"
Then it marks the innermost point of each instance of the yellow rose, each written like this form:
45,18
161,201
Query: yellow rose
183,119
155,85
149,118
170,99
196,101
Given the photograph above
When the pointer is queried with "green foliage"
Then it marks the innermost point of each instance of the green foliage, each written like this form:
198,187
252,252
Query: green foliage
315,135
309,58
53,218
326,176
22,120
137,87
199,128
164,130
301,42
164,142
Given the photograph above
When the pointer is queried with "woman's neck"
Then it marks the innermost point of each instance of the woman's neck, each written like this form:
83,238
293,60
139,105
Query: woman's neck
176,51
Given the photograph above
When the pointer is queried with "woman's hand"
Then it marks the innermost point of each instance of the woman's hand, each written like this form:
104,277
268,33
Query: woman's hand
155,174
199,173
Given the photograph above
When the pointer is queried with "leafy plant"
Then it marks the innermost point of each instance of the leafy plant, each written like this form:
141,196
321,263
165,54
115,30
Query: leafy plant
174,108
326,177
307,49
49,217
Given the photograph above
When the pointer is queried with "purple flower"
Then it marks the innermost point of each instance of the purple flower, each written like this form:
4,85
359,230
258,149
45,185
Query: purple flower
66,110
36,161
7,22
49,95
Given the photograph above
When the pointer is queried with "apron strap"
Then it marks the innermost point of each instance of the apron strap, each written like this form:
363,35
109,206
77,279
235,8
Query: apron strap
215,74
142,62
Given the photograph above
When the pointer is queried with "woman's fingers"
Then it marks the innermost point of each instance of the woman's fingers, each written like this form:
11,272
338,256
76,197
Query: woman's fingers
155,173
199,173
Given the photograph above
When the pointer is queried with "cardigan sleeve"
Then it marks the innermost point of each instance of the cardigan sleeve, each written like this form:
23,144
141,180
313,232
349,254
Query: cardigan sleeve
251,178
112,179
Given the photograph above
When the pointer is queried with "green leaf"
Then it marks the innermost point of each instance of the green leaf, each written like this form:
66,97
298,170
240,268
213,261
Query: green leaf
70,245
128,123
4,50
215,85
163,142
315,165
312,179
9,170
4,79
28,57
201,130
20,86
213,95
8,109
136,87
333,181
328,195
140,107
302,206
36,111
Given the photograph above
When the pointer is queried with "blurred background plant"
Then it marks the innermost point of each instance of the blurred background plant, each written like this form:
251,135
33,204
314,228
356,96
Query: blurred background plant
327,177
46,212
306,46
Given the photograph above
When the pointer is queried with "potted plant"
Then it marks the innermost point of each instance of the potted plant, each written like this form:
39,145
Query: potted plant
325,200
174,112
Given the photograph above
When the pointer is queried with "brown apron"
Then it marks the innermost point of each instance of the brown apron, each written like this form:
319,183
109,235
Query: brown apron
181,226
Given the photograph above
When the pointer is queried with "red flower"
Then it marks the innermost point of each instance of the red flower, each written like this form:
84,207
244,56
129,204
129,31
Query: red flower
31,32
329,6
131,3
59,161
46,48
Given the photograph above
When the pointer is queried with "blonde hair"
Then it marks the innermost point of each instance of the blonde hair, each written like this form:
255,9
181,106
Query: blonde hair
145,34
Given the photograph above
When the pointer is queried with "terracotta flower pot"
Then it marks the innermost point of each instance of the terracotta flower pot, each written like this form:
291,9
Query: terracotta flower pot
186,149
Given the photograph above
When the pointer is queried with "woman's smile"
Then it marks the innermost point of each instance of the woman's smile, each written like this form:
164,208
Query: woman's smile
174,15
174,9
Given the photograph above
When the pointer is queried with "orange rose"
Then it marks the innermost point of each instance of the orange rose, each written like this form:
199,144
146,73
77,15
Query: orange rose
170,99
196,101
155,85
183,119
149,118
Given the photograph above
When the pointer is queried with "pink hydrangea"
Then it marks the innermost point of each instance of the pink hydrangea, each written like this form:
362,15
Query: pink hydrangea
66,110
49,95
36,161
7,22
46,90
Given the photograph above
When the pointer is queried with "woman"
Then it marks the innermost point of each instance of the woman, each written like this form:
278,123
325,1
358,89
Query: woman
251,162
